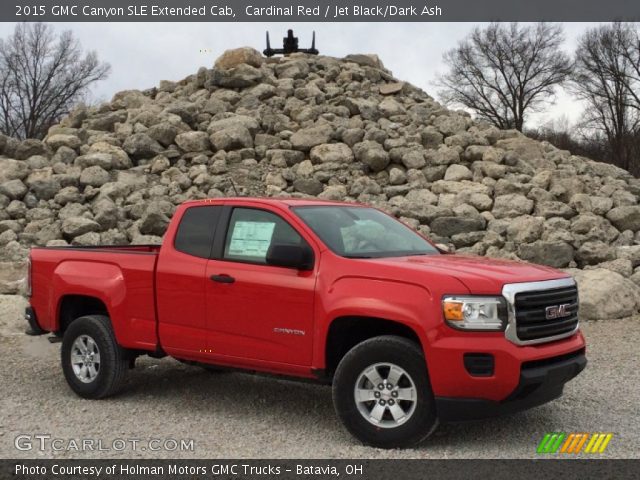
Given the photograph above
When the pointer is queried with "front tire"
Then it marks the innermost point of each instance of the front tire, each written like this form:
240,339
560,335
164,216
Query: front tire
93,363
382,394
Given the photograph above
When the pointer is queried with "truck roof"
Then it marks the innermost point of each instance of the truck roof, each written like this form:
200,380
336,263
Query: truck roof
298,202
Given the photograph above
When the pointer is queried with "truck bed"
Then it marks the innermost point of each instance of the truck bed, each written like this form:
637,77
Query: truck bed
122,277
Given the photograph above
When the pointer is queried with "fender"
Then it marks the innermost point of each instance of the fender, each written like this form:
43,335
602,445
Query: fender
402,302
106,282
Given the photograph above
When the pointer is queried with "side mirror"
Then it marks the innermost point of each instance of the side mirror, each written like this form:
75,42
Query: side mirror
290,256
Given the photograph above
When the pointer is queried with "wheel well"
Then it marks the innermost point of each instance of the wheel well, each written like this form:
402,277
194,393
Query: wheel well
74,306
346,332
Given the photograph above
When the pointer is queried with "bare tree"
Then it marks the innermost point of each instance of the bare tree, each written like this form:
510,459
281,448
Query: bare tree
504,71
607,79
41,78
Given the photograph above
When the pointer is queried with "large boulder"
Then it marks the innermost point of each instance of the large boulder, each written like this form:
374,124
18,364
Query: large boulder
511,205
307,138
237,56
625,218
449,226
193,141
556,254
231,138
605,294
242,76
331,152
372,155
75,226
141,145
43,183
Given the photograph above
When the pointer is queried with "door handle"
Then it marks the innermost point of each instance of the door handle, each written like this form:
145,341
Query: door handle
223,278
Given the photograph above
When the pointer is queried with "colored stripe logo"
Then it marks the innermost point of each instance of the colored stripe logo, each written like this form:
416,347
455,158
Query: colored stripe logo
574,443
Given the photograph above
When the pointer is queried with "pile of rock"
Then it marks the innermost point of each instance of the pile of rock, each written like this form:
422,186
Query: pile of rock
340,129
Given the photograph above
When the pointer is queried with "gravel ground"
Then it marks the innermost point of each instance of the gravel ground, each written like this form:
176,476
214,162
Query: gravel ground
245,416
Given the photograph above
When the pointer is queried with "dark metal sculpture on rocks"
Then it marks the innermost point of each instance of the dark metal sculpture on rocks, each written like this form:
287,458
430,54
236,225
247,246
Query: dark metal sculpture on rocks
290,45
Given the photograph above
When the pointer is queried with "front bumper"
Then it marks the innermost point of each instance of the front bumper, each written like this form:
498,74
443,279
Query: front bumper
540,382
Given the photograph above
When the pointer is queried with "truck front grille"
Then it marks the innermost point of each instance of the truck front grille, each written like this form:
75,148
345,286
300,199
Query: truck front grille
546,313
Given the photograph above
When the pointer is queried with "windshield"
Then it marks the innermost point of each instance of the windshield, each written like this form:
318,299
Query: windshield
362,232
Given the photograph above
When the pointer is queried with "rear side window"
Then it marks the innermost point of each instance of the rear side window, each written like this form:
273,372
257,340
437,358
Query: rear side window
196,230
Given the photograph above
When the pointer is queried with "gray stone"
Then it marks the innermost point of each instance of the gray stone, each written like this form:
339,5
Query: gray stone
237,56
232,138
193,141
43,183
164,133
61,140
94,176
525,229
242,76
605,294
13,189
414,159
451,124
30,147
511,205
594,252
457,173
12,170
331,152
449,226
390,88
625,218
75,226
141,145
389,107
620,265
632,253
155,220
307,138
548,209
310,186
372,155
556,254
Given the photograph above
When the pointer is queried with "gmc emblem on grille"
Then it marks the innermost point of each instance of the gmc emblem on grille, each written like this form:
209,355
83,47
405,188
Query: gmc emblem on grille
557,311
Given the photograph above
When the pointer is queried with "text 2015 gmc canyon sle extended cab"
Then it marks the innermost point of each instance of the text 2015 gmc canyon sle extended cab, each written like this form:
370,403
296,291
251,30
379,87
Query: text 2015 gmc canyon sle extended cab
407,334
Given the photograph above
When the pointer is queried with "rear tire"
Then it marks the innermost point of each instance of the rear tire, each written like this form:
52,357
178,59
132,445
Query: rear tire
382,393
93,363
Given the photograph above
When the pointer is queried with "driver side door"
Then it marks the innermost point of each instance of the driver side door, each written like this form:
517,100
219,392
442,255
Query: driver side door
254,310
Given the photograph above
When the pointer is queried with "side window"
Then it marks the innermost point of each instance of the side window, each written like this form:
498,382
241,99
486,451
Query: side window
251,233
196,230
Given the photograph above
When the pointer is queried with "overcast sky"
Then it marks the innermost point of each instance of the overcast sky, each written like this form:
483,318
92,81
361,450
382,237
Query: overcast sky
142,54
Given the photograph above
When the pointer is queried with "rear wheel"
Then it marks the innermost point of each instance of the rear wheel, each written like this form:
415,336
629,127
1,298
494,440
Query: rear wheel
382,394
93,363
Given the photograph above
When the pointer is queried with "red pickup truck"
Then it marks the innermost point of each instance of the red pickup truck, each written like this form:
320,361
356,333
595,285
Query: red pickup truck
407,334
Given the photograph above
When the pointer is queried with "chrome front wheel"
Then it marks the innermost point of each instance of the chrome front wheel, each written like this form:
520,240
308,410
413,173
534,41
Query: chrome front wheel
382,393
386,395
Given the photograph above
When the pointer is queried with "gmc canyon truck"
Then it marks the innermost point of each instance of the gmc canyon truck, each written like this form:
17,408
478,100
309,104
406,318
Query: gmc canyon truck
407,334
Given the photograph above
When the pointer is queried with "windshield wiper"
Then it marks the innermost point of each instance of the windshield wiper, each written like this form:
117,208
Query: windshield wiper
358,256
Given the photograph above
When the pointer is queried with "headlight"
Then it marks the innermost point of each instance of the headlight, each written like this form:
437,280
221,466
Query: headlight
475,313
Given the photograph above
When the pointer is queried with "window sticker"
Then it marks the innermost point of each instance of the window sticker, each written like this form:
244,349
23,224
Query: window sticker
251,239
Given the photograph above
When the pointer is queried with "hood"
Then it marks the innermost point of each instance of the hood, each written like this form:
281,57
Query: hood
481,275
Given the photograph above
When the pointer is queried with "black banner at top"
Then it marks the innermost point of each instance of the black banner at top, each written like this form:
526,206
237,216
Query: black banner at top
318,10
